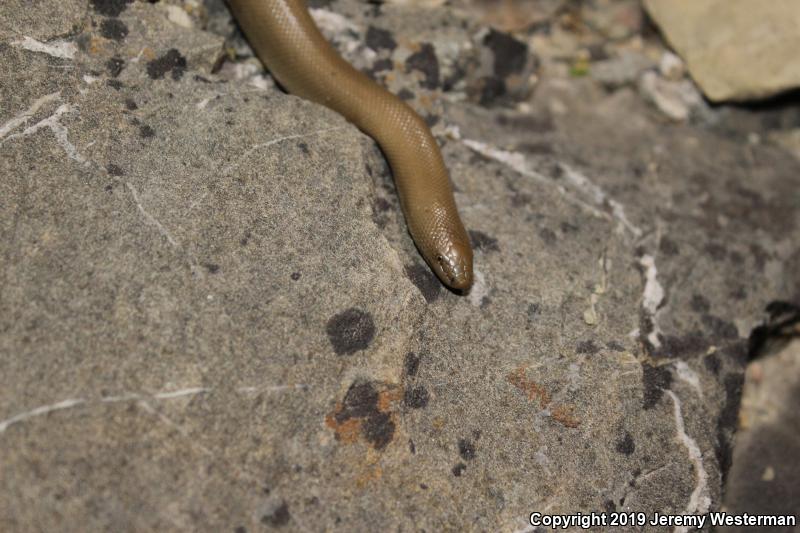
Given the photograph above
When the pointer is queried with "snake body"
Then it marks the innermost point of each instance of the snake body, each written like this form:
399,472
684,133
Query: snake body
288,42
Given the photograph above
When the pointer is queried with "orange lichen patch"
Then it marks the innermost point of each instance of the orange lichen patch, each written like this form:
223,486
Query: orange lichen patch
388,397
425,102
97,45
366,413
564,415
372,474
346,431
529,387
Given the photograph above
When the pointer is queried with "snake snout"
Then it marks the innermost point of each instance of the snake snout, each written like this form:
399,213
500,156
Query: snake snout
455,267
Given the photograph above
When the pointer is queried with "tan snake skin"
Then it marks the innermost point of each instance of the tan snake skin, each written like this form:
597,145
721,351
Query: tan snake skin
287,41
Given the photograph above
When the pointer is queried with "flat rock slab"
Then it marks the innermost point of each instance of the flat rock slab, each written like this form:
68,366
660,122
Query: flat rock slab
213,319
734,49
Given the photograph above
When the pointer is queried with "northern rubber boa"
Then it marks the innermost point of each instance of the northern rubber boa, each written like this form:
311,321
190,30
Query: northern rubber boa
290,45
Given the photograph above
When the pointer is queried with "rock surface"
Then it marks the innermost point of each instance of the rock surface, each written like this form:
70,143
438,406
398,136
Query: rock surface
734,49
213,319
766,472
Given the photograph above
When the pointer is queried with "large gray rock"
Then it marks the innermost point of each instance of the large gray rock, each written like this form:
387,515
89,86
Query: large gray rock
734,49
212,317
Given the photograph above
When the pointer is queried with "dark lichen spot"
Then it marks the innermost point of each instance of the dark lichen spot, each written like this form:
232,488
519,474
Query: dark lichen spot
483,242
532,311
350,331
411,364
699,303
655,379
303,147
130,105
416,397
615,346
412,447
626,445
459,469
712,363
466,449
548,236
717,252
693,343
212,268
240,529
381,65
378,38
425,61
146,132
172,61
278,518
115,66
114,170
733,392
406,94
110,8
720,329
587,347
295,276
668,247
379,207
425,280
114,29
726,424
115,84
361,400
489,90
510,55
378,429
567,227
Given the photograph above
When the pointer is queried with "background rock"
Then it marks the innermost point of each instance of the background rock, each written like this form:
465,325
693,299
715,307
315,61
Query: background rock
734,49
212,317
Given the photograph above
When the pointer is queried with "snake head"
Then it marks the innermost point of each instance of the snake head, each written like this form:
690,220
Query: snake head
454,266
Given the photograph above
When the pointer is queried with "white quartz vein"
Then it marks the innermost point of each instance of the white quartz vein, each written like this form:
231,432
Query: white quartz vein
60,48
272,142
652,297
137,397
699,501
578,182
150,218
59,130
25,116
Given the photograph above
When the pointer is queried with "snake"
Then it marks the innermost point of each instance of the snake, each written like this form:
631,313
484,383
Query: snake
287,41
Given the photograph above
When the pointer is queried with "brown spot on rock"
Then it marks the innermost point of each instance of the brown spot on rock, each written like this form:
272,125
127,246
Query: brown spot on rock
564,415
529,387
